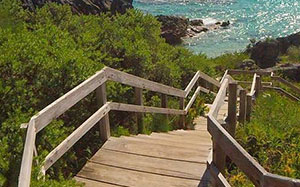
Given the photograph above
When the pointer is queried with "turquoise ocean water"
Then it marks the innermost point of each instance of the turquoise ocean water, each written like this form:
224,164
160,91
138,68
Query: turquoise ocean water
256,19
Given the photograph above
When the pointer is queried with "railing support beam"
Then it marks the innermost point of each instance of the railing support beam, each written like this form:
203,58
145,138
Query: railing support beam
232,103
104,122
182,117
243,101
249,107
138,92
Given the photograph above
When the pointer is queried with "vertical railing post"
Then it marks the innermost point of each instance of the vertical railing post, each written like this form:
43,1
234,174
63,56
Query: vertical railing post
258,86
249,107
232,103
164,102
104,122
138,92
219,156
242,112
181,117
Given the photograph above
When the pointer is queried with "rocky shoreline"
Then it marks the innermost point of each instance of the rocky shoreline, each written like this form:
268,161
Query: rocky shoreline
175,28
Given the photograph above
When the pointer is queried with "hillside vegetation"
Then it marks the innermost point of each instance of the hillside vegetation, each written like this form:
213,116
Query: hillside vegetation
46,53
272,137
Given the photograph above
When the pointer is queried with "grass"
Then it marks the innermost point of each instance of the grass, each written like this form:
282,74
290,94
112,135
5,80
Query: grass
272,137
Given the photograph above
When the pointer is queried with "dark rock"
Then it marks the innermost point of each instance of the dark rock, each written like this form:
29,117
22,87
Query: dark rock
84,7
265,53
286,42
173,28
291,71
120,6
196,22
199,29
247,64
225,24
218,23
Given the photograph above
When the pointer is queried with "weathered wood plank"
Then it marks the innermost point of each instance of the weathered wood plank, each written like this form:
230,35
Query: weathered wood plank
144,109
135,81
192,83
25,173
280,181
191,102
154,150
104,122
64,146
58,107
232,109
242,109
146,164
138,96
236,72
282,92
219,100
292,86
127,177
209,79
253,86
182,117
236,152
167,143
93,183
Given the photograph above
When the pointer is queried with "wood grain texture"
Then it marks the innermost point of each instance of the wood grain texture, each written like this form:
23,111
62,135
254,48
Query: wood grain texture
177,158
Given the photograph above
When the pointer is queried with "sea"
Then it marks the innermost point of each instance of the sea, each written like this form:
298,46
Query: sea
250,19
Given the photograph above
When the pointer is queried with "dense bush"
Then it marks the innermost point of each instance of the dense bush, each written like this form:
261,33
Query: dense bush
272,137
46,53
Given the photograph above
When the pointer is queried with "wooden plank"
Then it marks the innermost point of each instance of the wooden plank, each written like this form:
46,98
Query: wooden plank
149,140
135,81
237,72
219,100
93,182
209,79
249,107
144,109
192,83
104,122
182,117
280,181
253,86
138,96
126,177
154,150
236,152
146,164
258,86
232,109
218,176
250,83
64,146
242,108
176,139
204,90
218,155
287,83
192,100
58,107
25,173
282,92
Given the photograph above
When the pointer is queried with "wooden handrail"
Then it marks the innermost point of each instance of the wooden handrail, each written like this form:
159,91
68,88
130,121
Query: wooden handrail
230,147
287,83
282,92
58,107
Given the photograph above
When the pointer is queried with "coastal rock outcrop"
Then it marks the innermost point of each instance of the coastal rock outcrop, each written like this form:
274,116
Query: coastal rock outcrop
86,6
173,28
265,53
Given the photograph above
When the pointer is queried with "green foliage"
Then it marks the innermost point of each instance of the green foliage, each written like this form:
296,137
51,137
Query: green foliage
272,136
46,53
293,55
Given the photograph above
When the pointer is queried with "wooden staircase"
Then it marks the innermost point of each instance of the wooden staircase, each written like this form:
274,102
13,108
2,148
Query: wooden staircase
176,158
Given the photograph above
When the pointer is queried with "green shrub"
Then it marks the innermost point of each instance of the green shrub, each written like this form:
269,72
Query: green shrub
272,136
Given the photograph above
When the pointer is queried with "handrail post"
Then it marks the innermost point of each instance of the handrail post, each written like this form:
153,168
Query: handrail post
219,156
104,122
164,102
258,86
138,92
242,112
248,107
232,102
182,117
